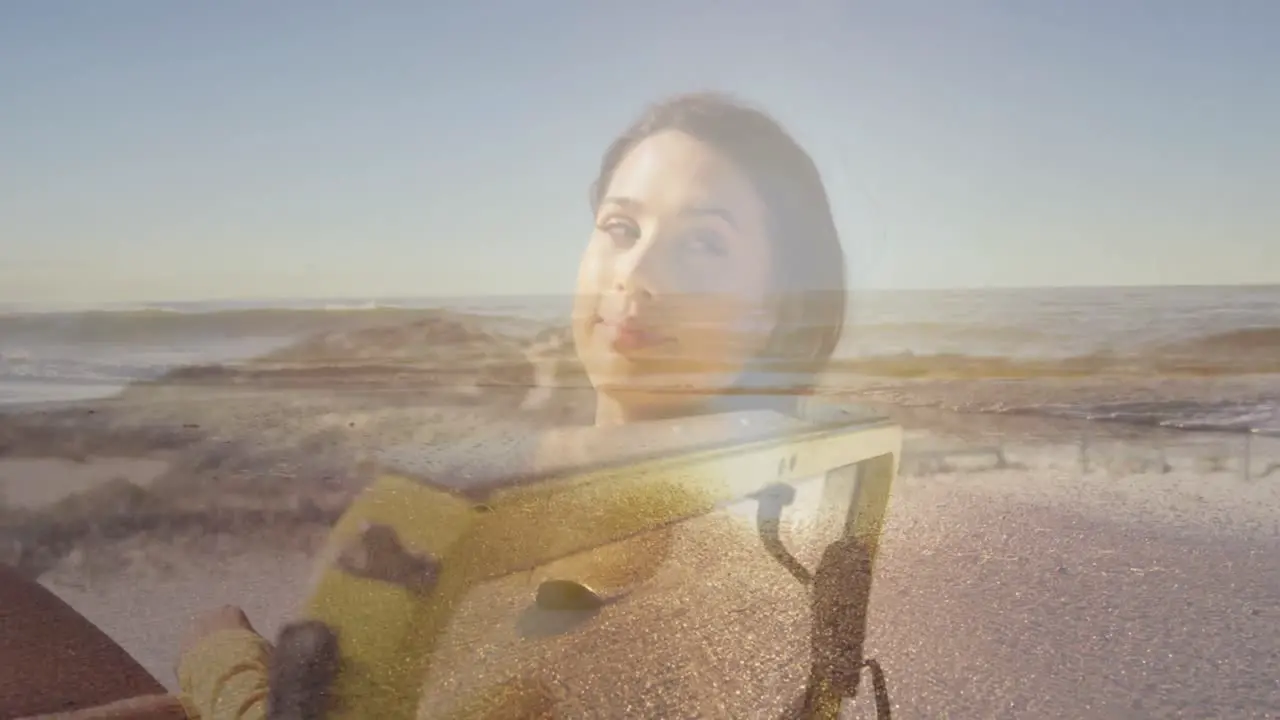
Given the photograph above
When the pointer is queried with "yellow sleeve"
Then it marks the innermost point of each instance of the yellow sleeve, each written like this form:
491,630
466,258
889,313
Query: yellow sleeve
224,677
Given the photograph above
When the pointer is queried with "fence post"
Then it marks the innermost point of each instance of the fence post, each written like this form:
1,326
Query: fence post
1248,456
1084,453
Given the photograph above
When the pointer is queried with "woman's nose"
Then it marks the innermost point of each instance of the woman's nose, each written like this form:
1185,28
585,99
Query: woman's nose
649,269
639,272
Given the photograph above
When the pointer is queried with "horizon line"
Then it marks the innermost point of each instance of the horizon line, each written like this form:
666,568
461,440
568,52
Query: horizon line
432,296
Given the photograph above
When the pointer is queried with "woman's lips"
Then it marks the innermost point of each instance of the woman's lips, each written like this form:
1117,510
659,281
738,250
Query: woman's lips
630,336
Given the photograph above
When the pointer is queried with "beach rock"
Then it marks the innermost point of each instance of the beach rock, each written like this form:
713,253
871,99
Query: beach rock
444,336
199,374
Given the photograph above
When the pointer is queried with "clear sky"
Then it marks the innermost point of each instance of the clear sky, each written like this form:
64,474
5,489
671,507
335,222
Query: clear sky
159,150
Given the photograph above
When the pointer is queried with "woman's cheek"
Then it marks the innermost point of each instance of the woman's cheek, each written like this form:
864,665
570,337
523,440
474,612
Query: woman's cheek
593,273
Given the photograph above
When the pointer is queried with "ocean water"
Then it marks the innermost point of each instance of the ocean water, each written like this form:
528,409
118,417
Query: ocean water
78,353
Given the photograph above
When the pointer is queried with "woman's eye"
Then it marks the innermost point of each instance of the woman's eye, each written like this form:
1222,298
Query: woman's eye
624,233
708,242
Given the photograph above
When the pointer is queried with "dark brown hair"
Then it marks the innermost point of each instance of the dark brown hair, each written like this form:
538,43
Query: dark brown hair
808,258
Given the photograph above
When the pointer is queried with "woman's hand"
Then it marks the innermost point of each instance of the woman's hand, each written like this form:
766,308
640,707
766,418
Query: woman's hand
224,679
227,617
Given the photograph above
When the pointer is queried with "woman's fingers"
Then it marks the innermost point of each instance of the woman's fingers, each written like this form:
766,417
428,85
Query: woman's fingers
227,617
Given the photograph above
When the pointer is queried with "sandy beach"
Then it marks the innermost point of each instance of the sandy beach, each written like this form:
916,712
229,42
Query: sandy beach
1032,567
1126,590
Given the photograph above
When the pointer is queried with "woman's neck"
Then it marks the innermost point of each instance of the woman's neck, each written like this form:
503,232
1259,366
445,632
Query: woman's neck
611,411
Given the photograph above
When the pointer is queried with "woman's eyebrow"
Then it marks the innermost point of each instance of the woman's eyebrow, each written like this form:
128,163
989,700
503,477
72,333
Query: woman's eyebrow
632,204
626,203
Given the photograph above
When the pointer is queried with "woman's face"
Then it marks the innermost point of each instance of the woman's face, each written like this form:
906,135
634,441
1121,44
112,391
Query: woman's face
673,284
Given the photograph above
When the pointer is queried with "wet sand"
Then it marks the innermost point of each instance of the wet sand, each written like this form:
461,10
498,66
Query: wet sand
34,483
